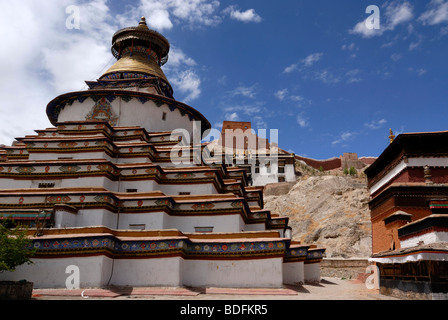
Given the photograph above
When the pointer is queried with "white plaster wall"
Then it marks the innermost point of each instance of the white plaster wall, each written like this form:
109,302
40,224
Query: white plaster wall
174,189
262,179
95,217
427,238
142,159
290,174
51,273
132,113
312,272
74,155
99,271
140,185
64,219
220,223
102,182
293,272
151,220
15,184
254,227
103,217
251,273
148,272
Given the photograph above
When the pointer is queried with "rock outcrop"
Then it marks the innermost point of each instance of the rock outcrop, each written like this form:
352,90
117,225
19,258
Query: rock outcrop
327,210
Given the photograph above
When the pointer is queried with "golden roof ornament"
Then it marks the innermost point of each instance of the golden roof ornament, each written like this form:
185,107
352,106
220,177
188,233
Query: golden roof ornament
391,136
141,36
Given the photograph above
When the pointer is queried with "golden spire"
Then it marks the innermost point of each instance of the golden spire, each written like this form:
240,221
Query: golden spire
142,22
391,136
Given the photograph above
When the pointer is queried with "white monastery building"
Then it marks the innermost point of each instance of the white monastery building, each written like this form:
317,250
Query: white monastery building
119,189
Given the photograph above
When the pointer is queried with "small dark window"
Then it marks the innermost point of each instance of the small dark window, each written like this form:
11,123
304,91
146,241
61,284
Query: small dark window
184,193
281,179
164,116
281,169
131,190
137,226
203,229
46,185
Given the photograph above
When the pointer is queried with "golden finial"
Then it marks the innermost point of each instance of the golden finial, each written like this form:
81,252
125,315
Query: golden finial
143,20
391,136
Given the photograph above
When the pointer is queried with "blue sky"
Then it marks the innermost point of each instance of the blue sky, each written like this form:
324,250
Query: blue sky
310,69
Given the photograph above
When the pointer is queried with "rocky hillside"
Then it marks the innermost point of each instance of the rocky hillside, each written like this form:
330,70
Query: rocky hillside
327,210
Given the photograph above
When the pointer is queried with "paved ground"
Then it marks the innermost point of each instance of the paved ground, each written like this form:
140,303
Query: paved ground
327,289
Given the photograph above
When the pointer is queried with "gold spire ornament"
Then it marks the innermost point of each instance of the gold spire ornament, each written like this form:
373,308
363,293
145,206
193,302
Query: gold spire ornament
391,136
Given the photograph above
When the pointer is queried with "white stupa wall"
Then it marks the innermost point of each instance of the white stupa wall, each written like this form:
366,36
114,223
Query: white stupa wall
152,221
115,186
293,272
55,273
100,271
234,273
312,272
132,113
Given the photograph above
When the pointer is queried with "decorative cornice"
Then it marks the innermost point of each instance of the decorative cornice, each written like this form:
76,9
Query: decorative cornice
55,106
78,242
89,198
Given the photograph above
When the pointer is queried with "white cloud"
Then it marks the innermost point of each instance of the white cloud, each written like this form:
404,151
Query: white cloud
398,13
375,124
304,63
182,74
245,16
232,117
395,13
326,76
415,45
396,56
296,98
248,92
348,47
419,71
302,120
353,76
311,59
163,14
344,137
281,94
178,58
361,29
291,68
50,59
188,82
437,13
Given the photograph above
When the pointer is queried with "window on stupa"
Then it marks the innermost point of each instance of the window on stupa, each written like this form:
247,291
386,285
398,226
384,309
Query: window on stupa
137,226
203,229
46,185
